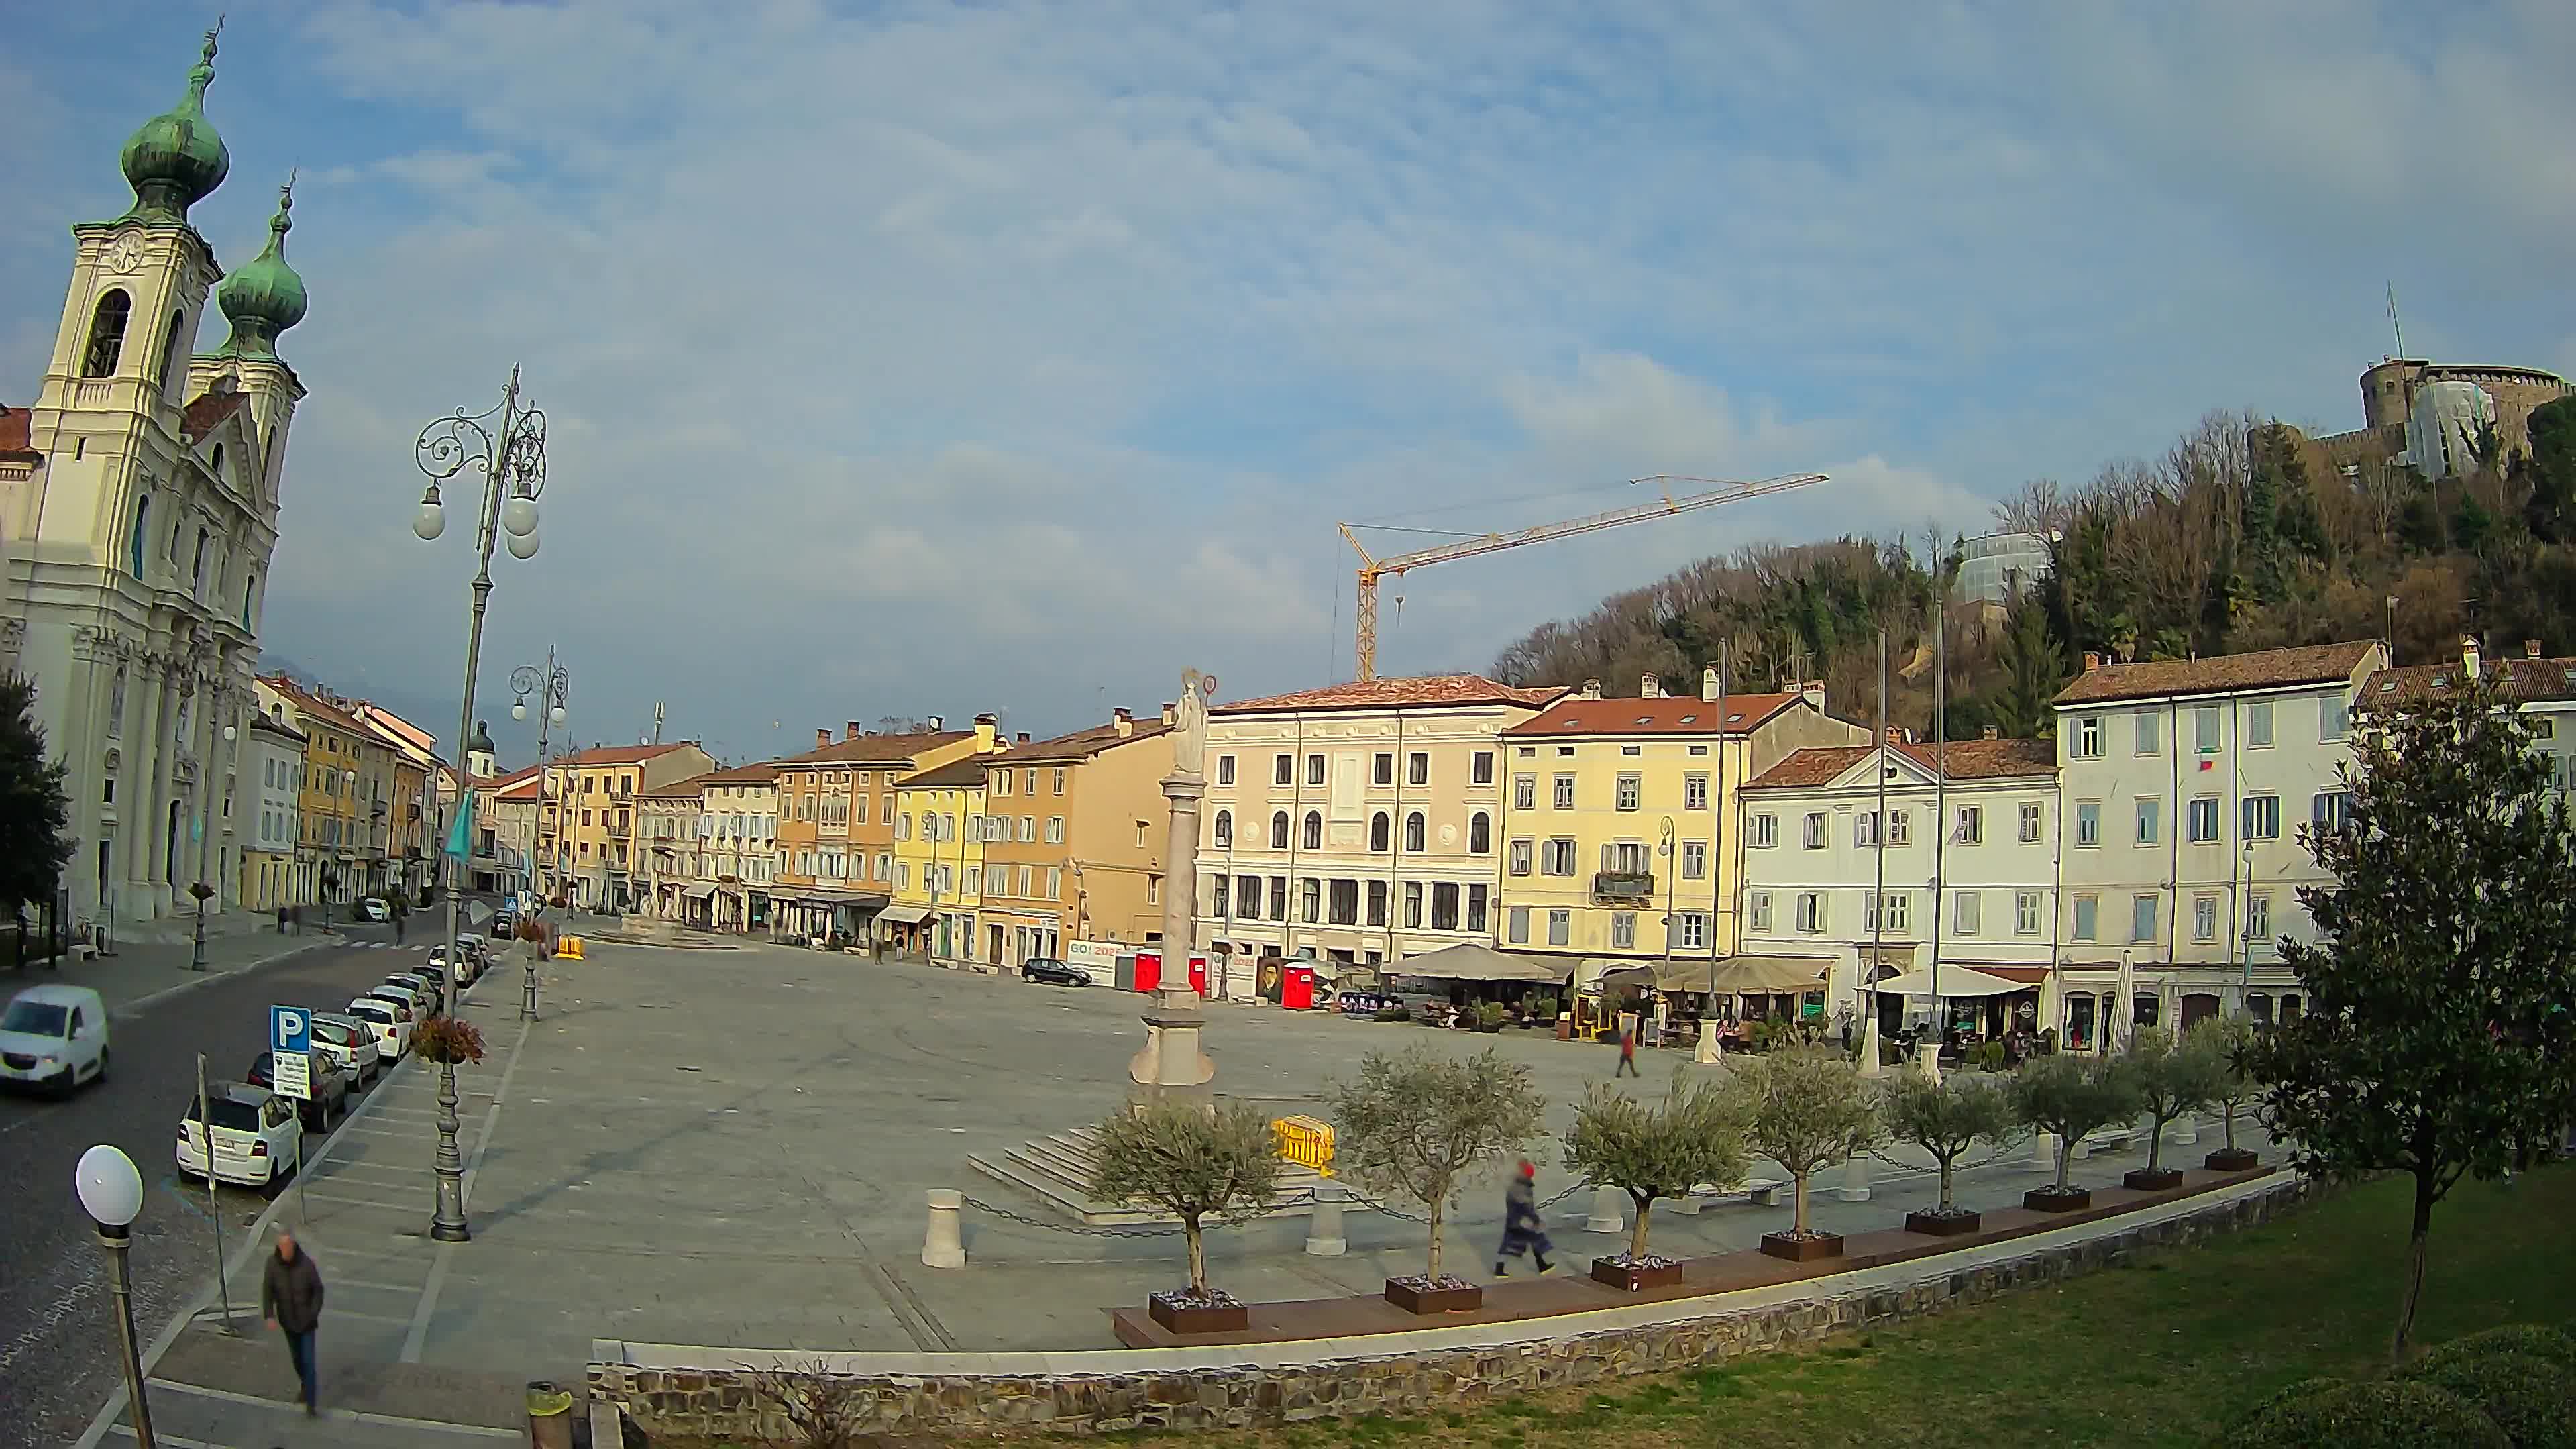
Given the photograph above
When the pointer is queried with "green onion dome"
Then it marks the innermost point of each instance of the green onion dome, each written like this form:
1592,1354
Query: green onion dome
176,159
263,296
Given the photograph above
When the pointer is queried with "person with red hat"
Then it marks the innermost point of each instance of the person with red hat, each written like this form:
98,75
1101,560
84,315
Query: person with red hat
1523,1232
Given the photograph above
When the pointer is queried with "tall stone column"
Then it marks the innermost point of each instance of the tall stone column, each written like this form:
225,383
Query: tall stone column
1172,1065
149,721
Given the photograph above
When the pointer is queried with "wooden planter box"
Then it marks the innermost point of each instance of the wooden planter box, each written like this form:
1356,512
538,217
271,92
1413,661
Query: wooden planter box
1210,1318
2231,1159
1942,1225
2141,1179
1434,1300
1803,1250
1629,1279
2050,1200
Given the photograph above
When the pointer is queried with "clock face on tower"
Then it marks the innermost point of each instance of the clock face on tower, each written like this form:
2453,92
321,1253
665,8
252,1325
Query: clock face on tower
125,253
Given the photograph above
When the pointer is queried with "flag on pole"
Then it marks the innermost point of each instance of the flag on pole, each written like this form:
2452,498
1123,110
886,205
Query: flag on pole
464,824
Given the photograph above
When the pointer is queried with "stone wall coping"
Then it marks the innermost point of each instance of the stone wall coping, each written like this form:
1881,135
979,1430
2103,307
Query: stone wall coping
668,1357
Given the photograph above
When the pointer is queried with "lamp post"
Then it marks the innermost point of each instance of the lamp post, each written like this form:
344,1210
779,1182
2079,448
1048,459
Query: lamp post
551,685
200,889
507,445
111,1192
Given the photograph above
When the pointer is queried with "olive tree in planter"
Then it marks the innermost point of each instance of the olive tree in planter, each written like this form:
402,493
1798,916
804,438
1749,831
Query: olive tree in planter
1656,1149
1806,1108
443,1041
2231,1087
1946,1119
1200,1166
2069,1096
1416,1123
2171,1077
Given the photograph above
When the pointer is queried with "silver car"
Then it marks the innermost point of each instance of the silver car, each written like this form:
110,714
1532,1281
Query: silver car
349,1043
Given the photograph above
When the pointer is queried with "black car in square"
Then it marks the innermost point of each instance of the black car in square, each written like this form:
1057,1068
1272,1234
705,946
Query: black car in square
1048,971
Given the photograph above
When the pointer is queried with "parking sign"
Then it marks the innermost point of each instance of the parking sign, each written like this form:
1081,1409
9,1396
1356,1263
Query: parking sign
290,1044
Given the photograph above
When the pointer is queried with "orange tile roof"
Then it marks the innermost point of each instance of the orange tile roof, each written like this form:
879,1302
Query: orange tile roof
1426,691
14,435
1967,760
2262,669
618,754
689,789
2526,679
209,411
965,774
306,702
1663,715
760,774
1080,745
877,749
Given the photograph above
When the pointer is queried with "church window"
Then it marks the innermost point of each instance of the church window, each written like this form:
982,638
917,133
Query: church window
142,513
197,571
248,585
107,334
172,374
116,705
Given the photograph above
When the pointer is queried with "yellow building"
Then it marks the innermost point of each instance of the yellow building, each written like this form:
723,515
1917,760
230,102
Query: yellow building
586,824
1074,833
836,814
939,850
331,846
1619,828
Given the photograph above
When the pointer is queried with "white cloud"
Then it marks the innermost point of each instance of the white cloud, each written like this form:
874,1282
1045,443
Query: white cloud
946,356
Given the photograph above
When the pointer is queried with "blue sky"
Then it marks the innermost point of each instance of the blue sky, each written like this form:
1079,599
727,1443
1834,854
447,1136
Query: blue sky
919,359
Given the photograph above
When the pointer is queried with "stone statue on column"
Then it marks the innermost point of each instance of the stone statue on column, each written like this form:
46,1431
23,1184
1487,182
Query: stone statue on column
1172,1066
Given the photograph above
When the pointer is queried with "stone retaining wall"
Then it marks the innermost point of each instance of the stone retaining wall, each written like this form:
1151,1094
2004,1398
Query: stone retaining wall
718,1400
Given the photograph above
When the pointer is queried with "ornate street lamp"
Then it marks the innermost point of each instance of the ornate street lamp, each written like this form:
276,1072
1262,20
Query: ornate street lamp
507,445
111,1192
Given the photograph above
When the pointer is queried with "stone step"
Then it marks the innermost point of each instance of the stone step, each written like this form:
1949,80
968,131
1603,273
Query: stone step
1057,1172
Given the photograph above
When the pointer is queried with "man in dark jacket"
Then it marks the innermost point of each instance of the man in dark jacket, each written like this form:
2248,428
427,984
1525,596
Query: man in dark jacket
1523,1232
290,1298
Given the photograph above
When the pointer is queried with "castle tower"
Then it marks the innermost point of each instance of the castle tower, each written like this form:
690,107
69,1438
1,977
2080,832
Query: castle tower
144,538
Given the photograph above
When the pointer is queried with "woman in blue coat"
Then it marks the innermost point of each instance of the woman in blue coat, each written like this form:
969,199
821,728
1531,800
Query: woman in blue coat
1522,1230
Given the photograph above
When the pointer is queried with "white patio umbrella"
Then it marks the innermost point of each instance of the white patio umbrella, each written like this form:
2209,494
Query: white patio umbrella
2115,1032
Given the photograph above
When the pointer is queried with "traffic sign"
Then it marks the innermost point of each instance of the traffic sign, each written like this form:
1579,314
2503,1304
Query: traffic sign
290,1047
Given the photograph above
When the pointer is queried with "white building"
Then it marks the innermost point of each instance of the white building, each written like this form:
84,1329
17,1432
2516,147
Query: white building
1356,823
273,762
138,537
1964,872
2185,783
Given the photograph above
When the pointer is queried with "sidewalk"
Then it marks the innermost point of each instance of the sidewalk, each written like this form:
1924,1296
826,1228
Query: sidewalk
141,971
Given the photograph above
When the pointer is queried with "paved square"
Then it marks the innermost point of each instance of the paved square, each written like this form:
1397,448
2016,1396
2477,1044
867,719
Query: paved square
731,1148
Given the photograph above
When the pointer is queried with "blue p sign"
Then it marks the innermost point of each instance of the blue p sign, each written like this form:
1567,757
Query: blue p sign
290,1029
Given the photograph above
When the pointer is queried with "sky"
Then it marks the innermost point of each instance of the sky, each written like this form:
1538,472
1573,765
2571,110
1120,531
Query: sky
913,359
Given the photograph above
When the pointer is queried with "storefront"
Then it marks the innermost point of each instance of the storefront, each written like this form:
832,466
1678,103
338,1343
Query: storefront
822,916
904,929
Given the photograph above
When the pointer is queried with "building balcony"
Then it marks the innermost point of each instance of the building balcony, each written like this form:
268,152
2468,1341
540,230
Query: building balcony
1623,885
620,832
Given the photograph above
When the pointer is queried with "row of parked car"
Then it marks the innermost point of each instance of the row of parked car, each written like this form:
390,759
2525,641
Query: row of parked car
253,1132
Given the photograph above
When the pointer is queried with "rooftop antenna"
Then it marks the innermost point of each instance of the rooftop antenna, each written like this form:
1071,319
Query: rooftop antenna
2393,325
657,722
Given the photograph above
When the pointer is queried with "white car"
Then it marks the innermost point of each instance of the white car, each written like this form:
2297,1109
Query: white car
391,1022
424,984
375,909
254,1134
405,995
349,1043
53,1037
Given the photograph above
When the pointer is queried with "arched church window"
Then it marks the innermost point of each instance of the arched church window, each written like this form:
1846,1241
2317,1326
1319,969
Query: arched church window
172,372
107,334
218,466
197,570
250,585
116,704
142,515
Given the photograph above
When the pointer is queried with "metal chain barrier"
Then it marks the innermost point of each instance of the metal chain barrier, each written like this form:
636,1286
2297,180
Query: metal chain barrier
1086,1231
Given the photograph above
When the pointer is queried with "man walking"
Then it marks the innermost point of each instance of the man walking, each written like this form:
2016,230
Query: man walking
290,1298
1523,1231
1627,1053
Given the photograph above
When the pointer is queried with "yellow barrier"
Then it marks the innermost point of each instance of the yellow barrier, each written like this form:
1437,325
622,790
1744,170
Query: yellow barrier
568,948
1305,1141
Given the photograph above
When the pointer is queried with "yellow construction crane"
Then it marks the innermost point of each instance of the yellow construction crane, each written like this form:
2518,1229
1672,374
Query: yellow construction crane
1372,568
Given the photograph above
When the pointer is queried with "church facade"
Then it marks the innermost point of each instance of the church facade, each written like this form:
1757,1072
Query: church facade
139,526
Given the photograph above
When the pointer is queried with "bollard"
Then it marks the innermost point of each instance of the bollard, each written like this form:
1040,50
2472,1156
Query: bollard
1855,1186
1609,1211
2186,1130
1324,1233
549,1415
1709,1051
2043,1151
941,1247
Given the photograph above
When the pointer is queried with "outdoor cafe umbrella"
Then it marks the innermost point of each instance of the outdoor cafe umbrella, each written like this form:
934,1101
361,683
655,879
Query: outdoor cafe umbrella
2115,1032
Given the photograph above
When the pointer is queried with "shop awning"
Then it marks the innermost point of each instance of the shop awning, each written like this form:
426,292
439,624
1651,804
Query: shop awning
699,892
1468,961
1682,973
1955,981
827,896
1761,975
904,915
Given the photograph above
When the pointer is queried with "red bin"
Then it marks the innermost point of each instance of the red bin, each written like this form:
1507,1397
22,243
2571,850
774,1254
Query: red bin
1297,988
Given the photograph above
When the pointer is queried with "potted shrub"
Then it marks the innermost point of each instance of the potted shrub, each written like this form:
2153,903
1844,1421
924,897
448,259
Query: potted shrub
1945,1119
1393,1011
1807,1109
1656,1149
2069,1096
2231,1086
2170,1078
1414,1125
1199,1165
1491,1016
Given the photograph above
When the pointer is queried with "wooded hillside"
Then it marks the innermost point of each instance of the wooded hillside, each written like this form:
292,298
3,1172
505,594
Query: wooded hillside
2239,537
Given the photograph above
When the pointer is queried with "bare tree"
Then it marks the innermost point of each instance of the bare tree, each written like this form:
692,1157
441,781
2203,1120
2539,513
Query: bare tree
822,1410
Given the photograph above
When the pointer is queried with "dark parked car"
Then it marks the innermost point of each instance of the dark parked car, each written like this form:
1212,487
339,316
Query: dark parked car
1048,971
330,1090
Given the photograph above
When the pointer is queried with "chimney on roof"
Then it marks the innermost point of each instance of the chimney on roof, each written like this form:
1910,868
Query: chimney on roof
822,737
1021,738
1591,690
849,731
2092,660
1650,686
1896,734
2469,655
1167,712
1991,733
938,723
988,732
1813,691
1123,722
1709,688
2530,648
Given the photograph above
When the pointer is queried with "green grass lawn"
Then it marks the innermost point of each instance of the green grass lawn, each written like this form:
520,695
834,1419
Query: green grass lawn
2159,1352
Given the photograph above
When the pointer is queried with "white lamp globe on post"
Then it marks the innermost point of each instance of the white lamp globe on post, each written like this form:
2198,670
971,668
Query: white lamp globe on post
431,520
111,1192
519,516
519,710
556,715
523,545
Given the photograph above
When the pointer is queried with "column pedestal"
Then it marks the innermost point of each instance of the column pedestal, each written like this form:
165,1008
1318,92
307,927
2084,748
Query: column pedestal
1172,1065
